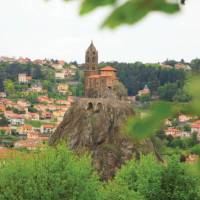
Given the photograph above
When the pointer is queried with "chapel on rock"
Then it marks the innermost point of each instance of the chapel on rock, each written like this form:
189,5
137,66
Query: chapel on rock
98,82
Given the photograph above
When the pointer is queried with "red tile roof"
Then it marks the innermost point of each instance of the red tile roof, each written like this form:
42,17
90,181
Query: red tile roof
196,124
48,126
108,68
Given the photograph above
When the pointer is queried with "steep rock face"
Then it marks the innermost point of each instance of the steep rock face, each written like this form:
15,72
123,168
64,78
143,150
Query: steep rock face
100,132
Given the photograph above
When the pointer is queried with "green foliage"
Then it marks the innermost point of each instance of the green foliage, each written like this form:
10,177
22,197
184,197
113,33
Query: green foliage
79,76
193,89
114,191
56,173
31,97
50,174
177,184
140,127
48,85
145,98
196,149
10,71
183,143
142,176
157,181
120,90
9,87
37,73
21,87
32,109
3,120
56,95
170,62
135,76
17,111
148,125
128,12
172,92
34,123
187,127
77,90
168,91
195,64
182,96
90,5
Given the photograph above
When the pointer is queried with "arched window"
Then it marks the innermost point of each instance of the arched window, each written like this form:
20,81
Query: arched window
90,106
99,107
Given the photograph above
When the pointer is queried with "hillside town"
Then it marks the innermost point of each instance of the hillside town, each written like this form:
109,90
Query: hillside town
99,100
25,124
31,107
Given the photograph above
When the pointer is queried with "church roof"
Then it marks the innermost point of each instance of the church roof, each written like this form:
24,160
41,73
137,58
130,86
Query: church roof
108,68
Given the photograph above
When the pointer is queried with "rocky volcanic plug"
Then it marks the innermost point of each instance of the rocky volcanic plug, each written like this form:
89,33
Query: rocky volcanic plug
96,126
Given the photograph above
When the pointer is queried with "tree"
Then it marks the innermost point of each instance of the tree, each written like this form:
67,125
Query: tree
170,62
135,76
145,98
50,174
114,191
168,91
195,64
48,85
159,181
9,87
76,90
142,176
186,127
3,120
182,96
78,76
196,149
177,184
120,90
37,73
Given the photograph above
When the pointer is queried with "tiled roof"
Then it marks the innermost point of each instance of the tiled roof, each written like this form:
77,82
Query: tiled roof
108,68
48,126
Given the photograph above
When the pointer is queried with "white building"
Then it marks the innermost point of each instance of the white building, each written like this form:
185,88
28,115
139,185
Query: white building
16,120
60,75
24,78
47,129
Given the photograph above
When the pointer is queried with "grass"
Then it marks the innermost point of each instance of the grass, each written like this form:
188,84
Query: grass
34,123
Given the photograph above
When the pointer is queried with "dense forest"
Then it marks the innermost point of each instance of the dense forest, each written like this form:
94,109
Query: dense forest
136,75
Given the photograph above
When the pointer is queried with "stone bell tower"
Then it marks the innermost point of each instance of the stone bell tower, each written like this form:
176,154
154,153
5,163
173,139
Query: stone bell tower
91,66
91,58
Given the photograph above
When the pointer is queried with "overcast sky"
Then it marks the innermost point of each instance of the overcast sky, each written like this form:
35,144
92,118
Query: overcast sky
39,29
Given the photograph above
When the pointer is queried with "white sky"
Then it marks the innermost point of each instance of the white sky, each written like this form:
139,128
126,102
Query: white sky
39,29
